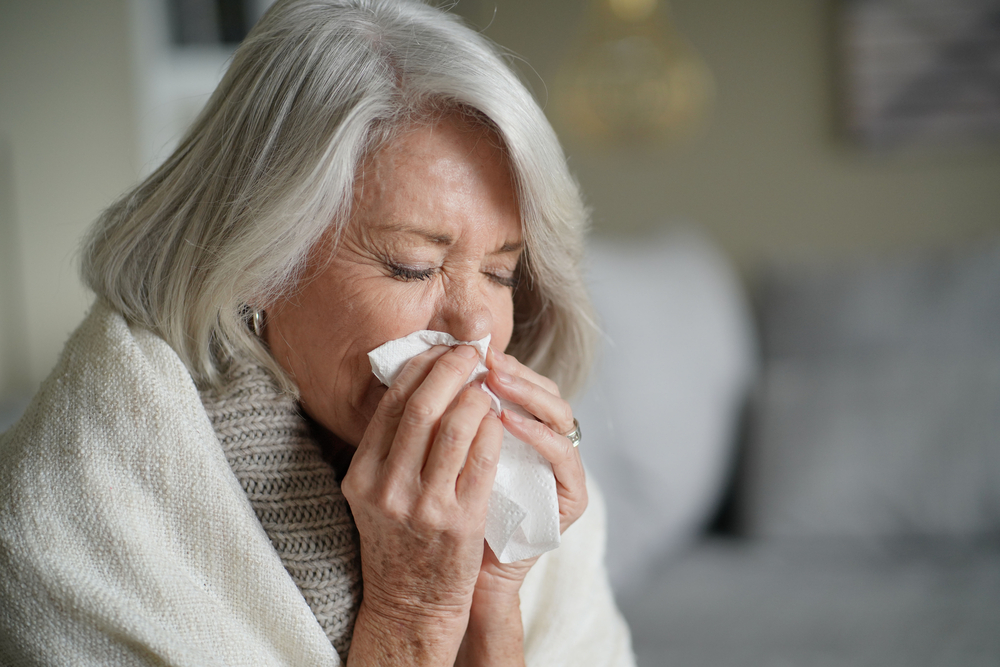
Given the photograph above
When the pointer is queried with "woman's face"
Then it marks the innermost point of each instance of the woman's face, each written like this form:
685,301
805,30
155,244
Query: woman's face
433,243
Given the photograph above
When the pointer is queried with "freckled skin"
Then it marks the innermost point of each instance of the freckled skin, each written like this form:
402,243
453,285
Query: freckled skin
438,198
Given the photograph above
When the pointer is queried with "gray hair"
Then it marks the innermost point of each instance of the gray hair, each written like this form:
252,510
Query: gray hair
229,219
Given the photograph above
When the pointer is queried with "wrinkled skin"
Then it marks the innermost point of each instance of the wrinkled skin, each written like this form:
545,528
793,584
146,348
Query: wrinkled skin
433,243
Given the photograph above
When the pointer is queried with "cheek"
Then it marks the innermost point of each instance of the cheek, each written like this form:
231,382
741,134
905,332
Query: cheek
503,322
365,314
321,336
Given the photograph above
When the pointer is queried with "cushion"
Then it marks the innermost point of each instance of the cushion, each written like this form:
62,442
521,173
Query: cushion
659,417
878,412
821,604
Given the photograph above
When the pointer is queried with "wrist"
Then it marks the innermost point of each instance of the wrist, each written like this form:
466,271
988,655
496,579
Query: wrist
388,635
417,610
498,580
495,635
495,597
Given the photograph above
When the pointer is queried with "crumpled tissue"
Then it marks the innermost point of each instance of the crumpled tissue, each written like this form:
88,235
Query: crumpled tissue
522,519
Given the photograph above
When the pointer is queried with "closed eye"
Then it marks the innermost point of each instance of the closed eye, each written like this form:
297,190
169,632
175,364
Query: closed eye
506,281
409,273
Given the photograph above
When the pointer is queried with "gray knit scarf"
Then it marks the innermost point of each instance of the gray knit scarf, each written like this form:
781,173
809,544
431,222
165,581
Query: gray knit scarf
294,492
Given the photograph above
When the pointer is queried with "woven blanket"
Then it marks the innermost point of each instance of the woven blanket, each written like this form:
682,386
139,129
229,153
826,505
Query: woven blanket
126,538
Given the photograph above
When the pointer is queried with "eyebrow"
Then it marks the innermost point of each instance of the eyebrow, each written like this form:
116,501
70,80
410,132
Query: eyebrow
447,239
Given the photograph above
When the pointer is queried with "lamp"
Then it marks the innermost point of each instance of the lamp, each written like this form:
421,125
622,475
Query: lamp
631,78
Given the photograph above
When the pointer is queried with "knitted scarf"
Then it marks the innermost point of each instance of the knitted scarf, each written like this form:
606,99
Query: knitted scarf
294,493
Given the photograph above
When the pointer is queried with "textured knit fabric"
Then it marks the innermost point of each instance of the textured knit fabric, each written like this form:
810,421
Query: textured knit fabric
126,539
294,493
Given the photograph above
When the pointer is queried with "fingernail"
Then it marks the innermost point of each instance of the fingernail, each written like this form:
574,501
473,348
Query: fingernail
513,416
466,351
503,377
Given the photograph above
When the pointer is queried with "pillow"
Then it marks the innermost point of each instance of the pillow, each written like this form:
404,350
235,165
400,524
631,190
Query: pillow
659,418
878,412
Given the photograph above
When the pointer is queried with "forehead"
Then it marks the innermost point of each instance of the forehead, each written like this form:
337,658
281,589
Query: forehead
444,175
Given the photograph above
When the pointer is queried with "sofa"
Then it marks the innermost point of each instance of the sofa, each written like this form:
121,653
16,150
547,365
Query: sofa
810,477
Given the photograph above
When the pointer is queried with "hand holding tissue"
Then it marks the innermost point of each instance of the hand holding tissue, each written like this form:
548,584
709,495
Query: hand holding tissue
522,519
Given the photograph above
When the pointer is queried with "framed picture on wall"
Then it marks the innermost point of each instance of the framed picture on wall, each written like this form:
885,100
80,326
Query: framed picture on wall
921,71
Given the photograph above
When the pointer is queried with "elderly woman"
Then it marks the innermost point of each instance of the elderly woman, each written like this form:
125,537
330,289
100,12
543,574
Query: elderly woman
214,475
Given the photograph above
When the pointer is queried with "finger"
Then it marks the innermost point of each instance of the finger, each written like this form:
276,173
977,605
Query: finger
546,406
425,407
510,365
385,422
454,437
476,479
571,480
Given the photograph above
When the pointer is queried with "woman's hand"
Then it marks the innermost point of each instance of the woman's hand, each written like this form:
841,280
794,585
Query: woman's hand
540,396
495,611
418,486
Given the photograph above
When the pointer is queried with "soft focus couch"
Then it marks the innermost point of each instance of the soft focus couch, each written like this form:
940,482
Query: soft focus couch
854,517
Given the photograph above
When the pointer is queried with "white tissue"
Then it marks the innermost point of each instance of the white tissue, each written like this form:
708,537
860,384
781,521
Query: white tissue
522,519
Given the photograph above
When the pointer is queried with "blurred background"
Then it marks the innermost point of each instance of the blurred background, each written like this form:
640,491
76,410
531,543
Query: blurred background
796,208
90,93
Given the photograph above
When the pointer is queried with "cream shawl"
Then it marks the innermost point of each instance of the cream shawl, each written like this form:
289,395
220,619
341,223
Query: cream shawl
126,539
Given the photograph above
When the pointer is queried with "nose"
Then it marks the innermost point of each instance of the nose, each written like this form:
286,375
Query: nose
463,312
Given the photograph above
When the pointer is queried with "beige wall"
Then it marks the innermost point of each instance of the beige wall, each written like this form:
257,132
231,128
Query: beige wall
13,332
66,122
769,177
